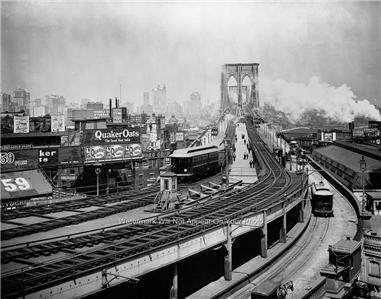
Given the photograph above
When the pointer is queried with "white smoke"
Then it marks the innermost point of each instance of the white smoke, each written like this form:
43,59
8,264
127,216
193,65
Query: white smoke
338,103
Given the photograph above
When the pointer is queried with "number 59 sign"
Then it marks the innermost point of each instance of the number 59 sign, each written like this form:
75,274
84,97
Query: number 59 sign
15,184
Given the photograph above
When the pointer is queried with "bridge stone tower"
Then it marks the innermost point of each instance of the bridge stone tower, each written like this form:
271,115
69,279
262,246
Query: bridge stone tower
239,71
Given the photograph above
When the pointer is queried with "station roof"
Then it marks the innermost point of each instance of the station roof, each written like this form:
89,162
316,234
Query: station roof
365,149
374,194
24,184
349,158
345,246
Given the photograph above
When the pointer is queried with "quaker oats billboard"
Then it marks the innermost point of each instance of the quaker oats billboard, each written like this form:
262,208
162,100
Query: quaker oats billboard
127,135
114,152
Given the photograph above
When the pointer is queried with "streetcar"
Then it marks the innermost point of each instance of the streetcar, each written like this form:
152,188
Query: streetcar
321,199
195,162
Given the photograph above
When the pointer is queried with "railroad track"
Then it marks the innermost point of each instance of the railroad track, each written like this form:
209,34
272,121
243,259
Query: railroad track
277,270
125,201
138,239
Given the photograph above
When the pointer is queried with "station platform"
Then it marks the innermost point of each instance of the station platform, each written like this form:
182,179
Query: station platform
240,168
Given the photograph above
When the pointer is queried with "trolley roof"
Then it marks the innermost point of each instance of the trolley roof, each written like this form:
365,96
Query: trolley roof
321,187
193,151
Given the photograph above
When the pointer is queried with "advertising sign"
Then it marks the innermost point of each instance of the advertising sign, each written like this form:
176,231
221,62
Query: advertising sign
21,124
69,155
58,123
180,136
117,115
48,156
172,137
115,152
328,137
101,113
19,159
117,135
23,184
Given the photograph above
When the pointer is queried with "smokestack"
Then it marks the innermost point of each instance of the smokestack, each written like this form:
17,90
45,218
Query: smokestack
116,102
110,104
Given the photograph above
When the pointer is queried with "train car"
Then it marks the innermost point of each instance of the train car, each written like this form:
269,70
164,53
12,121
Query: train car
321,199
195,162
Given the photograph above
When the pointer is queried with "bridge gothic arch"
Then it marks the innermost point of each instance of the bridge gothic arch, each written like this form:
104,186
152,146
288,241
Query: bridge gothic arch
240,72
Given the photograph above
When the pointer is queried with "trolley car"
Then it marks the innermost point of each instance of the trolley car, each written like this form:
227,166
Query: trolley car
195,162
321,199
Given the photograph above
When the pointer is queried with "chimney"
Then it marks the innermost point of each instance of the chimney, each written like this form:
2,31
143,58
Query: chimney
116,102
110,107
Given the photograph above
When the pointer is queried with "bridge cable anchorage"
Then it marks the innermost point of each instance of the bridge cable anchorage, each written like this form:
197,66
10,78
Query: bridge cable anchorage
106,282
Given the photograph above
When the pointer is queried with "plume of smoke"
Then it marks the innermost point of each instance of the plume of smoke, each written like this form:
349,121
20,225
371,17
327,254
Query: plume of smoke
337,103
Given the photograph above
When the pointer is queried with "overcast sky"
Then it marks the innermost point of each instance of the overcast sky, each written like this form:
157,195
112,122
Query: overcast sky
85,50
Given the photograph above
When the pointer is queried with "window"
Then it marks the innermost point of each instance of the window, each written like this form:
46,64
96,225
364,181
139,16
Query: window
166,184
374,268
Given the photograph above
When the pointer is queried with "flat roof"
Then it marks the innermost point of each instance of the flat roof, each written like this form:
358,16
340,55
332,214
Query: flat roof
346,246
348,158
374,194
193,151
22,184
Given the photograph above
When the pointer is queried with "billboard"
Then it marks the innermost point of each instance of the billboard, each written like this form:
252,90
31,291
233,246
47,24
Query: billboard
21,124
328,137
69,155
48,156
117,115
115,152
172,137
58,123
19,159
23,184
117,135
180,136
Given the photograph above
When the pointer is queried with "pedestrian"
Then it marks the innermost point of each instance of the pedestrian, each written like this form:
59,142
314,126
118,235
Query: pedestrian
244,141
250,163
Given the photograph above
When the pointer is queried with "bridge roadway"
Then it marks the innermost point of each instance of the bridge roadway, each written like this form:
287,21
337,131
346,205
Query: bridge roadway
148,246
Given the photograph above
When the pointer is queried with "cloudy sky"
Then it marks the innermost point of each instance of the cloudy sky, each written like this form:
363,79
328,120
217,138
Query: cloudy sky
87,49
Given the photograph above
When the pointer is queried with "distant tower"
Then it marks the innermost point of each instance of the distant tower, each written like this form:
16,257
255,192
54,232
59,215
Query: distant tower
145,98
160,99
239,71
195,104
21,99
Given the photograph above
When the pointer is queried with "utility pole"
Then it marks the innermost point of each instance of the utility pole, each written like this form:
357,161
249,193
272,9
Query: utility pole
226,162
120,92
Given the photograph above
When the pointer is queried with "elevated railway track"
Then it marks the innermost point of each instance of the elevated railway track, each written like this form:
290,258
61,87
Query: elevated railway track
124,201
130,242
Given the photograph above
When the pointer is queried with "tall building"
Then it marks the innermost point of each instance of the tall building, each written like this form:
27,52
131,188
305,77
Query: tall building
37,108
6,103
94,105
160,99
146,98
55,104
194,108
21,99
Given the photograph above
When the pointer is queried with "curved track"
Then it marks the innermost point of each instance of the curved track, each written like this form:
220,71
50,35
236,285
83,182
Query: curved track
135,240
124,201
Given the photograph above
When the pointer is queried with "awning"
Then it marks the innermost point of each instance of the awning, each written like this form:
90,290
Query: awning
23,184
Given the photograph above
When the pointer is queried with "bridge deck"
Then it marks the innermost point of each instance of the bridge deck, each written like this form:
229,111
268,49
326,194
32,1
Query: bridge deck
240,168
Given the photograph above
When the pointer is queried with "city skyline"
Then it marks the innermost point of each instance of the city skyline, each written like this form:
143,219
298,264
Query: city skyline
86,50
